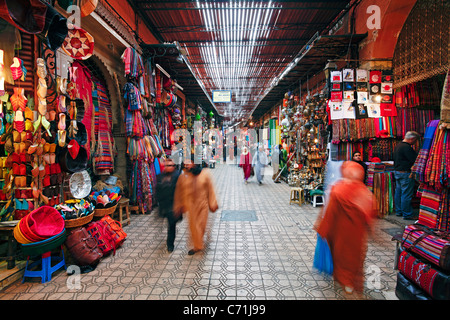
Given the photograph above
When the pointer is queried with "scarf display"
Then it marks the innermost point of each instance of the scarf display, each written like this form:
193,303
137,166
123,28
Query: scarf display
372,169
412,119
381,181
81,77
134,66
164,126
145,139
142,184
132,96
103,160
419,166
417,107
425,94
432,170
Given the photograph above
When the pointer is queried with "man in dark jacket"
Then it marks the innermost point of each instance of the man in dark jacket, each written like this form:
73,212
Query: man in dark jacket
404,158
165,190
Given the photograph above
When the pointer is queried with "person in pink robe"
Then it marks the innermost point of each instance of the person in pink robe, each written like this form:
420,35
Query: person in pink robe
245,163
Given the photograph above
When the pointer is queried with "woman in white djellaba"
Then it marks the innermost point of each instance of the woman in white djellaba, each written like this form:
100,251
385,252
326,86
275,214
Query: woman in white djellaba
260,161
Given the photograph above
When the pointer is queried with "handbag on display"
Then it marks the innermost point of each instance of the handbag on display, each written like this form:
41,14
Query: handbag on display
115,229
83,247
108,233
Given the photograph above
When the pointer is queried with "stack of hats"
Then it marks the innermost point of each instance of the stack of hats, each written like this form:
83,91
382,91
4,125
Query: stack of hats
40,224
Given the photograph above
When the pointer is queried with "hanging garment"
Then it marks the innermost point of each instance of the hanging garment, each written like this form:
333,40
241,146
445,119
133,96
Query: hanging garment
132,97
82,80
433,167
135,125
134,66
104,152
419,165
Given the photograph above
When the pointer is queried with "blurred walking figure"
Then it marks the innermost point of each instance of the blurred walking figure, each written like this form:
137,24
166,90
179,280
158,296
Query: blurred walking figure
166,182
260,161
195,196
245,163
345,222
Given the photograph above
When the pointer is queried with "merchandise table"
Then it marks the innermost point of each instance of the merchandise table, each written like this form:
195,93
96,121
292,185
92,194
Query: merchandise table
7,231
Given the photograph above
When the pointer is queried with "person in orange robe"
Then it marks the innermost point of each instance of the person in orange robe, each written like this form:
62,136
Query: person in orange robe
195,197
345,222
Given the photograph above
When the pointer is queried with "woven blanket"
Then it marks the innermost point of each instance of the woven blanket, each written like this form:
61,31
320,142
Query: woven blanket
104,146
429,205
421,160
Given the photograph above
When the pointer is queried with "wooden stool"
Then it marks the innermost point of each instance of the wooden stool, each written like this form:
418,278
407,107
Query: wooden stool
136,209
123,204
297,196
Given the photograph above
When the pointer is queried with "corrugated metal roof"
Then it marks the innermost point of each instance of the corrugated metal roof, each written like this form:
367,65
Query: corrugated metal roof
240,46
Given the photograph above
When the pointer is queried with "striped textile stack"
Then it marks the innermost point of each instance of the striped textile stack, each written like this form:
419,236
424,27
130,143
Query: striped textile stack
432,170
424,255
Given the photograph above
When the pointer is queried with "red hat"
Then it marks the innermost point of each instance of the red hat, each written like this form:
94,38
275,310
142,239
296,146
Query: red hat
45,222
384,134
27,232
376,159
73,148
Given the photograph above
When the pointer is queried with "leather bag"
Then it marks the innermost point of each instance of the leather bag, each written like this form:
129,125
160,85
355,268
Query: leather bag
83,247
115,229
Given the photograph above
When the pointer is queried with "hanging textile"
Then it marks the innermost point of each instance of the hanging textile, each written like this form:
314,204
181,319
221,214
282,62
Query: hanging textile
142,183
103,161
384,190
144,136
133,63
429,205
431,169
419,166
81,78
132,96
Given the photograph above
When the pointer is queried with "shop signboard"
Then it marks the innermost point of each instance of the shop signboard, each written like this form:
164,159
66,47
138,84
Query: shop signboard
221,96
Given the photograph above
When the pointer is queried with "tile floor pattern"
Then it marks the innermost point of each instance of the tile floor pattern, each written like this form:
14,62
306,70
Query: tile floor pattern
270,258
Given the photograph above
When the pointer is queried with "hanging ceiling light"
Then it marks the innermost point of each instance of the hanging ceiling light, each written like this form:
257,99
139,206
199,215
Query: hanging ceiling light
238,29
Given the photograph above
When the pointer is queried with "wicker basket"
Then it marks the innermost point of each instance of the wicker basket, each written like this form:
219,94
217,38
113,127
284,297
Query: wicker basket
73,223
105,212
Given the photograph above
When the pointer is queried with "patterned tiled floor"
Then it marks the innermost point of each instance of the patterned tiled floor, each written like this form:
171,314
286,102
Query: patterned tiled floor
267,258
